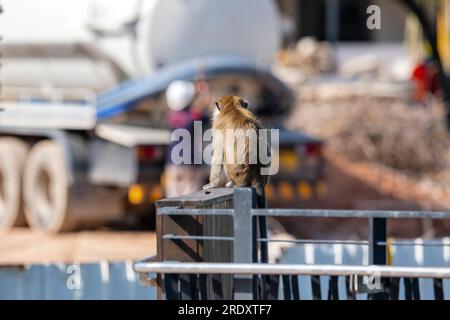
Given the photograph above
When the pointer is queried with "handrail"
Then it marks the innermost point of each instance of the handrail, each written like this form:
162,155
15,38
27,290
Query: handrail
319,213
290,269
326,213
173,211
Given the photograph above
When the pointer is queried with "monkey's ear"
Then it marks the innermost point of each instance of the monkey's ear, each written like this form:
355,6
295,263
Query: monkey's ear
243,103
217,105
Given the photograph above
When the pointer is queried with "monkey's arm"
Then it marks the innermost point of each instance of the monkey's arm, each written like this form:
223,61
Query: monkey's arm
217,177
230,184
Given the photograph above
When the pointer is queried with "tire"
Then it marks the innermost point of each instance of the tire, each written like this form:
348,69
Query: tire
12,155
46,189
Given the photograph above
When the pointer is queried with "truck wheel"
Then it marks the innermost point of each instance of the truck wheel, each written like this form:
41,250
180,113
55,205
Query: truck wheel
12,155
45,188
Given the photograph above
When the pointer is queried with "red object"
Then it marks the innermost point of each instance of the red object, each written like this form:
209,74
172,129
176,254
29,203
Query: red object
149,153
426,79
312,149
419,76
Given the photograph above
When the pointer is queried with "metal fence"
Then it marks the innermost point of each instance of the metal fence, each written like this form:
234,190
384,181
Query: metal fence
244,273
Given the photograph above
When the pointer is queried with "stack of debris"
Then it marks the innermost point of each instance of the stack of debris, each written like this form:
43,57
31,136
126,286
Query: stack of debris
411,138
308,57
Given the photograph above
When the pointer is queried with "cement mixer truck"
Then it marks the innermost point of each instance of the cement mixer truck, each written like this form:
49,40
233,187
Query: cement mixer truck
81,135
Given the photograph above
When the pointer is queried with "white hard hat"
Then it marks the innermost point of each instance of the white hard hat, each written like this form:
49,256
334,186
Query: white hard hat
180,94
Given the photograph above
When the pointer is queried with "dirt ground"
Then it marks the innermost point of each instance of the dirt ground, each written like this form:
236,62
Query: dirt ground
369,186
22,246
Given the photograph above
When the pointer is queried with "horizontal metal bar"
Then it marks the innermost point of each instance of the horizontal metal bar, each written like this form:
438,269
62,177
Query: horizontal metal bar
175,237
316,241
173,211
312,213
291,269
318,213
428,243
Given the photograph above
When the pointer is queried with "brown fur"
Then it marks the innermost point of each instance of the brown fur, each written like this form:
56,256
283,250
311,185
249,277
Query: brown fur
234,115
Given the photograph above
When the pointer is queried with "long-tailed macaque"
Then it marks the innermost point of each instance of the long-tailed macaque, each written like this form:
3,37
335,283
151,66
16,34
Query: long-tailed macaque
236,144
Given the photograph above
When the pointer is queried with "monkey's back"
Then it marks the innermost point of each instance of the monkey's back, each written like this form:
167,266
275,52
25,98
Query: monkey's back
238,166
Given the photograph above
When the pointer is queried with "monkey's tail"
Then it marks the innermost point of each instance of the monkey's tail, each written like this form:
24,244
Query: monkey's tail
261,202
261,198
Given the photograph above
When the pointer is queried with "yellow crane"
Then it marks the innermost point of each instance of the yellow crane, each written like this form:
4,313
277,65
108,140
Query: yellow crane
443,33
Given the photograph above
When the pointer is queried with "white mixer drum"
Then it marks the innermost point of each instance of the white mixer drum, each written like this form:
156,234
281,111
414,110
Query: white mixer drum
176,30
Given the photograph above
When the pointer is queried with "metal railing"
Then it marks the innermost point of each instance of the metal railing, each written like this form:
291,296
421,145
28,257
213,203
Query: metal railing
291,269
252,278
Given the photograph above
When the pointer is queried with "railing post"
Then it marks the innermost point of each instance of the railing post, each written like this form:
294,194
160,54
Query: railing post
377,251
243,201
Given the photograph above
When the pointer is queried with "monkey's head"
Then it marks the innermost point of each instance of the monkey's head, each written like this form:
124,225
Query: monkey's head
231,102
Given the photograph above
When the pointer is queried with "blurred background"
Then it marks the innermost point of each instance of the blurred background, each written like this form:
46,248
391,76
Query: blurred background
87,114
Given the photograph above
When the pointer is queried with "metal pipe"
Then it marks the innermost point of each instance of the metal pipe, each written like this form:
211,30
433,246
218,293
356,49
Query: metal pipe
317,241
377,252
313,213
319,213
184,237
427,243
174,211
290,269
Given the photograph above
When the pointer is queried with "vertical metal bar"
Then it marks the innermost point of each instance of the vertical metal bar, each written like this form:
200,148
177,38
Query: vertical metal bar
255,256
377,234
217,287
377,251
415,288
286,287
273,287
333,293
264,258
194,287
315,286
202,279
243,237
295,287
393,288
263,245
242,223
171,286
438,291
159,252
261,204
185,287
408,288
265,283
